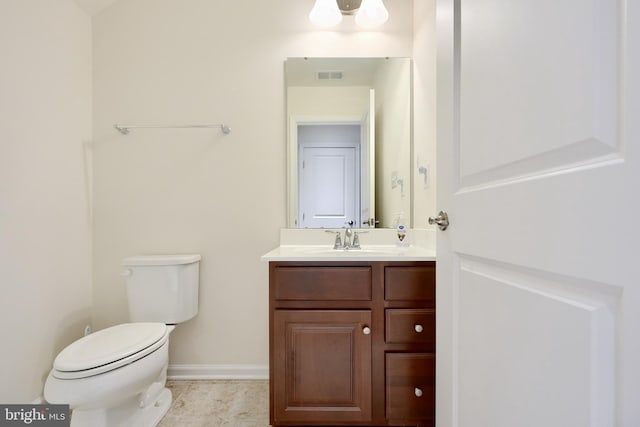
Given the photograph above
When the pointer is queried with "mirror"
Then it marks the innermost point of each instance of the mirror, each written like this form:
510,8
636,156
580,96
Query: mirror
348,142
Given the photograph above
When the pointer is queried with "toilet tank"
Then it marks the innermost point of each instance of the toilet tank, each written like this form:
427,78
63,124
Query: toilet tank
162,288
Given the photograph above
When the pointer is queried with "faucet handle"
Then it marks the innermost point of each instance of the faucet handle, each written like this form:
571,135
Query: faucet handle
355,244
337,244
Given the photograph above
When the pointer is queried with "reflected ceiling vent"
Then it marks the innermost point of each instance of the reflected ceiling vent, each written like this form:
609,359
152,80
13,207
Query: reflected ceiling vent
329,75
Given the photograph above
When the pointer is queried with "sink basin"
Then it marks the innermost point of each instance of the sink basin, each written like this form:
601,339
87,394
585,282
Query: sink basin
364,251
367,253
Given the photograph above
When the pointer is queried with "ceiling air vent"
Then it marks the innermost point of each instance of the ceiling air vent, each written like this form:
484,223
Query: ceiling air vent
329,75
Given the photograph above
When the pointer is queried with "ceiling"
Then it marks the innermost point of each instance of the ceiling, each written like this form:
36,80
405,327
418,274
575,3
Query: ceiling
93,7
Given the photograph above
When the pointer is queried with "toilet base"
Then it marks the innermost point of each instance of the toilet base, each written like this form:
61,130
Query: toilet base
128,414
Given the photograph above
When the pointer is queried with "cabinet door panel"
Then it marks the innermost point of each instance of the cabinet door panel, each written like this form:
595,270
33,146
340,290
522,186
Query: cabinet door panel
321,366
411,387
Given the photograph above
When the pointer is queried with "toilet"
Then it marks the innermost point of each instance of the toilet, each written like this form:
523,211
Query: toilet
116,377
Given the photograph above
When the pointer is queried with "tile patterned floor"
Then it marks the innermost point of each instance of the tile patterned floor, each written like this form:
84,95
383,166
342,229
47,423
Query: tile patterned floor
220,403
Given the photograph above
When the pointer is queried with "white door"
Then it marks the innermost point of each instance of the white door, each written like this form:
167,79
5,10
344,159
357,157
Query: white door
368,165
327,186
538,311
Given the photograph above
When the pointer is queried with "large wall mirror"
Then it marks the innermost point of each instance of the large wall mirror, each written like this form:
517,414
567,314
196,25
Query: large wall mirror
348,142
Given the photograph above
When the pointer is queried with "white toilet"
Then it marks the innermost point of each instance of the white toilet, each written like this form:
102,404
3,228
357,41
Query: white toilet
116,377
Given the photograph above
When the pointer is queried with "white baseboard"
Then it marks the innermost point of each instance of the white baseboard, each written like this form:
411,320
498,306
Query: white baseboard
218,372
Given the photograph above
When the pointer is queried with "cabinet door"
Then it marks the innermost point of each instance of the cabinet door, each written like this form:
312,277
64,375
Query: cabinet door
321,366
411,388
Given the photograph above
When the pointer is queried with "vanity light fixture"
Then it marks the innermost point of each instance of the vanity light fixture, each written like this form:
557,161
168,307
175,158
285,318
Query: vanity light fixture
325,13
372,14
368,13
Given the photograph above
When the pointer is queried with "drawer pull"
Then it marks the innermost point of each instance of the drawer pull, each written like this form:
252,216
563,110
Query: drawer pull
366,330
418,328
418,392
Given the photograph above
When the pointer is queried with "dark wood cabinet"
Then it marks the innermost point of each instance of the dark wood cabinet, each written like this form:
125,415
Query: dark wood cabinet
324,359
410,394
352,343
410,326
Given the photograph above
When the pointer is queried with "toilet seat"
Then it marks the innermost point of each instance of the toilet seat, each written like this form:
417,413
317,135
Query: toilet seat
109,349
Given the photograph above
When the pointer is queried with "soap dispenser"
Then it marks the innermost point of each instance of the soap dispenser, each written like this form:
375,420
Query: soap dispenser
401,230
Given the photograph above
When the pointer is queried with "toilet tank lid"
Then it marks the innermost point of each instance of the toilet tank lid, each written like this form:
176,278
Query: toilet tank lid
161,259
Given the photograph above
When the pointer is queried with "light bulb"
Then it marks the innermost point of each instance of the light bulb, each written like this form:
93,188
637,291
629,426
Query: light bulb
372,14
325,13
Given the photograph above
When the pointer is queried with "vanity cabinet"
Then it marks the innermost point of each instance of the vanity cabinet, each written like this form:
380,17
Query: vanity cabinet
352,343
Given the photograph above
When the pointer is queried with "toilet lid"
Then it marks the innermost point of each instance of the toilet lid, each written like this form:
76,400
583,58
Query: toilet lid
103,348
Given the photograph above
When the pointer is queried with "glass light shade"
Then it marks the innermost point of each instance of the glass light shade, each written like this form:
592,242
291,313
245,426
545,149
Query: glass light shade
372,14
325,13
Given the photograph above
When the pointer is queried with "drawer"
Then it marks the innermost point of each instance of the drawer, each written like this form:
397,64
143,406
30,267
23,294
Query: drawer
411,326
411,284
410,387
322,283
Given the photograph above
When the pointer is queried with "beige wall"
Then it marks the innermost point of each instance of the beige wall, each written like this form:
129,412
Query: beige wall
45,244
160,191
328,101
393,148
424,111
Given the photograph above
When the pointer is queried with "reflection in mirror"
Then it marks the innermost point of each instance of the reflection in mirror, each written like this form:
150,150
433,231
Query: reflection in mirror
349,142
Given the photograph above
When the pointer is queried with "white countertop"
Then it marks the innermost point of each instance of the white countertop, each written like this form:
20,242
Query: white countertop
377,245
368,253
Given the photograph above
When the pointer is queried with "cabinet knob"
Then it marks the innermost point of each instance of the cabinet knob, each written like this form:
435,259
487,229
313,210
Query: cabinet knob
366,330
418,392
418,328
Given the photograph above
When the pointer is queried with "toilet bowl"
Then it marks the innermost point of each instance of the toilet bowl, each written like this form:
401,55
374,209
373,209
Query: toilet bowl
116,377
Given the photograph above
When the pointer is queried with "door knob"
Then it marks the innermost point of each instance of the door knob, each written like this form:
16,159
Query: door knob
366,330
442,220
371,222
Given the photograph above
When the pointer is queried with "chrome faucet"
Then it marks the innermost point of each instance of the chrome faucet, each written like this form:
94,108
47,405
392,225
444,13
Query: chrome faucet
347,238
350,241
355,242
337,244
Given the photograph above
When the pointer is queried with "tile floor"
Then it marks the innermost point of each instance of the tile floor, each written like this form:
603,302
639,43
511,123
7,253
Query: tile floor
228,403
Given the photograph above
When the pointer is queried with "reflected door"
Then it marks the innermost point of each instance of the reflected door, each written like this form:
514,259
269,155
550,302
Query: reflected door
329,175
328,186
